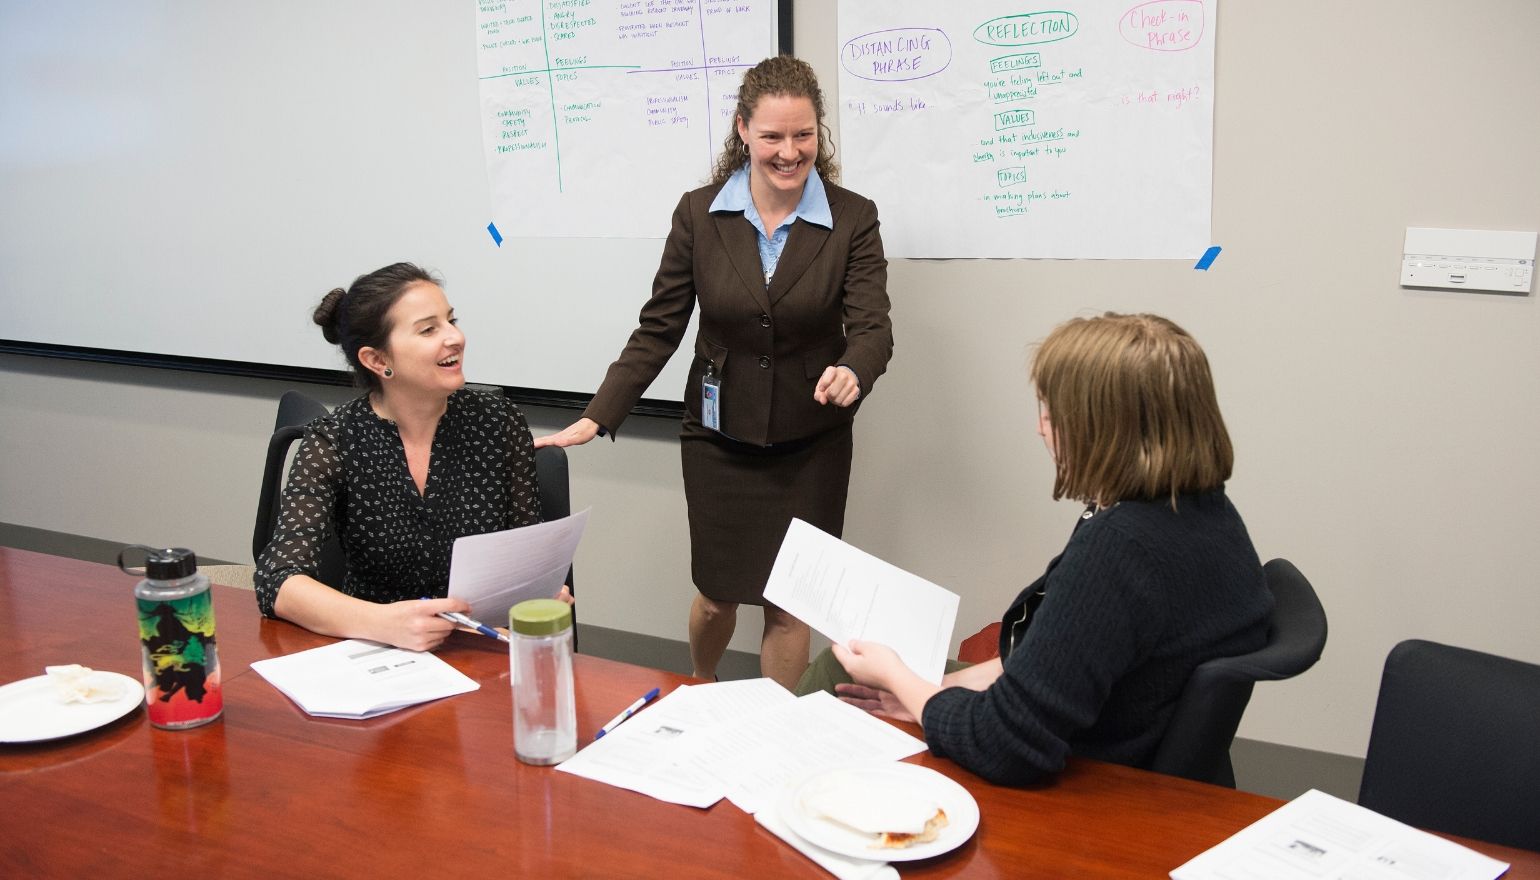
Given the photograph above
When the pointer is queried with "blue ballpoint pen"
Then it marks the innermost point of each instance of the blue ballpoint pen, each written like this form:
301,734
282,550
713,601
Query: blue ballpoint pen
630,710
478,626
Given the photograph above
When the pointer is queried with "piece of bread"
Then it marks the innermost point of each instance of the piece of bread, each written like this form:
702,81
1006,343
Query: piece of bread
900,840
82,684
893,813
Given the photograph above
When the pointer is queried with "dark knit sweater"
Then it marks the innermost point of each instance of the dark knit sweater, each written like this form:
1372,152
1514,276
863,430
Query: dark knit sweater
1140,596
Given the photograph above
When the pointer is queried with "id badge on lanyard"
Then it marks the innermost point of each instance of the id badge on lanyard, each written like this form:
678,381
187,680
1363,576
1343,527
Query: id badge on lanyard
711,398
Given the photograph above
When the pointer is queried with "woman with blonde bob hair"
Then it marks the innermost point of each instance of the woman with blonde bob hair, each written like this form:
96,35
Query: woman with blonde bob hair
1137,413
1159,574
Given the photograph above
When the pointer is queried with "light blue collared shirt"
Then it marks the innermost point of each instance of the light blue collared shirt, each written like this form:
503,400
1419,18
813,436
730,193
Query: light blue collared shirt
812,207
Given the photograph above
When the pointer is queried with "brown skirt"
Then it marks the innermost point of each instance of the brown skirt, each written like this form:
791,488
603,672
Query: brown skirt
741,499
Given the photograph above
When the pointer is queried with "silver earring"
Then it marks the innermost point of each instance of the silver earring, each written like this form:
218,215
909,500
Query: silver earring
745,151
389,372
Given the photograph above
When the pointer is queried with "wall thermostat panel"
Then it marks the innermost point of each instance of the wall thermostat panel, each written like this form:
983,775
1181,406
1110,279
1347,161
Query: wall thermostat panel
1468,259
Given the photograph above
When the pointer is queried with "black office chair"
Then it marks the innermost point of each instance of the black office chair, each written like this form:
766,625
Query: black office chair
1197,741
295,410
1455,745
555,494
556,502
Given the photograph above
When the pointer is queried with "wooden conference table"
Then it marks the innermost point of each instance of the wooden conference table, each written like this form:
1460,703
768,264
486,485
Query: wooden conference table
268,791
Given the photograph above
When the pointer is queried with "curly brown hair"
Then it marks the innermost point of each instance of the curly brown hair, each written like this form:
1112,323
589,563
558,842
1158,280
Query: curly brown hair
781,75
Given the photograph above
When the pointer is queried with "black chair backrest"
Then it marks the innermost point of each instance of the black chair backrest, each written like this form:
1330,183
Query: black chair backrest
295,410
556,502
1455,745
555,493
1196,744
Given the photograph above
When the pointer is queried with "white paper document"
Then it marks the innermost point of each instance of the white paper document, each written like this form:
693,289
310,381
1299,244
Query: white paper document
358,679
1319,837
845,594
757,756
744,740
843,867
498,570
647,753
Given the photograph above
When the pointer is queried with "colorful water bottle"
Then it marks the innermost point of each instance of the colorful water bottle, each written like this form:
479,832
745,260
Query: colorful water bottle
540,653
176,635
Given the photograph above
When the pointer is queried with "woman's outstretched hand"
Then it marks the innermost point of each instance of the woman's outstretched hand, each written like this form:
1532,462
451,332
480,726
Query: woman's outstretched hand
891,687
575,434
873,700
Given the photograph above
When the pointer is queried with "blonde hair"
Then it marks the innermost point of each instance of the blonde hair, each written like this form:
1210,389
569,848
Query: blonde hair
784,76
1132,407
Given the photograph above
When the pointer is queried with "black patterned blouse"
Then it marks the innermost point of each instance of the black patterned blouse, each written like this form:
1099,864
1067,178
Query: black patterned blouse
350,478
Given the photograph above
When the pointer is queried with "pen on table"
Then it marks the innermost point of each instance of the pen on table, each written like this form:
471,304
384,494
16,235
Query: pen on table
629,711
478,626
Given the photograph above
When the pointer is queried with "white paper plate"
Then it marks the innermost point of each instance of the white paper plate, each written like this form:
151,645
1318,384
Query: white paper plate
962,813
31,711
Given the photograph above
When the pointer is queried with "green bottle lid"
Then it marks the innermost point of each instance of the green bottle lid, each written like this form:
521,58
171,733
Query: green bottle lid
540,617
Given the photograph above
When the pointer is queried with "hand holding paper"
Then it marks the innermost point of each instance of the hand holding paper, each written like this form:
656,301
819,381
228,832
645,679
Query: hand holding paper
847,594
497,570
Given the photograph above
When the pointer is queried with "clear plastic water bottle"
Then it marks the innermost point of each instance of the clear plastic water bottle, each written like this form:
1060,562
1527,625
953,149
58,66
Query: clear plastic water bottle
176,635
540,658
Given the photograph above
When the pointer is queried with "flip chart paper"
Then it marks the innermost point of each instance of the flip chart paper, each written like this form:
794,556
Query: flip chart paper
984,128
596,115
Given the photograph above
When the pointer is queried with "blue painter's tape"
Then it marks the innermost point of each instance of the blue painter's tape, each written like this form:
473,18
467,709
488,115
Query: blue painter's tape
1208,258
498,236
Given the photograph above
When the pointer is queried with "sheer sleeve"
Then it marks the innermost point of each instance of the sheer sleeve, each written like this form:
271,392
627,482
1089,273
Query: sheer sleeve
525,508
306,515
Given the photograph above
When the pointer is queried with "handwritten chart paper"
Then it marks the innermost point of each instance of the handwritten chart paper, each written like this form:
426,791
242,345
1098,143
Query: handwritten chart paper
597,114
985,128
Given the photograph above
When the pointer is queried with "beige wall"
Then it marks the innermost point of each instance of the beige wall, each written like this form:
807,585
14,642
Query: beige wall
1386,438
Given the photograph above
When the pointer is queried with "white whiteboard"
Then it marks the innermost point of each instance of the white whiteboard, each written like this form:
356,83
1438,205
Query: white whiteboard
985,128
189,178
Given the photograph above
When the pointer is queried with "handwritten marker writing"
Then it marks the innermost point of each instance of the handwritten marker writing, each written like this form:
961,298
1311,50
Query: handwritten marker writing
630,710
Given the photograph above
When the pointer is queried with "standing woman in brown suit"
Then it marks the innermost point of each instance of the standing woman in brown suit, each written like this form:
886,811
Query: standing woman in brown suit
794,331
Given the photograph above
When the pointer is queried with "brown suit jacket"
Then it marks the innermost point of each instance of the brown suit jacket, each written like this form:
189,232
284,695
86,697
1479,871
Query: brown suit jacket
827,305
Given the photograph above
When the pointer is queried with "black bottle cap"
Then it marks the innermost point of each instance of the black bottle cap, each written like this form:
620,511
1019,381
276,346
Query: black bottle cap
163,564
170,563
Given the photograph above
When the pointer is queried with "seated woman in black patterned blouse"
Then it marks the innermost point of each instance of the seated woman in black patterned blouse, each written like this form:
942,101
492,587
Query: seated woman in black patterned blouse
396,474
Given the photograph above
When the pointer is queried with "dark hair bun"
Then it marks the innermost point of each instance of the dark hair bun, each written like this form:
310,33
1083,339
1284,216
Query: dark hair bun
328,313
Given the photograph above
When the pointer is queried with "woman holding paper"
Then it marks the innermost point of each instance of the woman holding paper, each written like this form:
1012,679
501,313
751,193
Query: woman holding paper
396,474
789,272
1159,574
